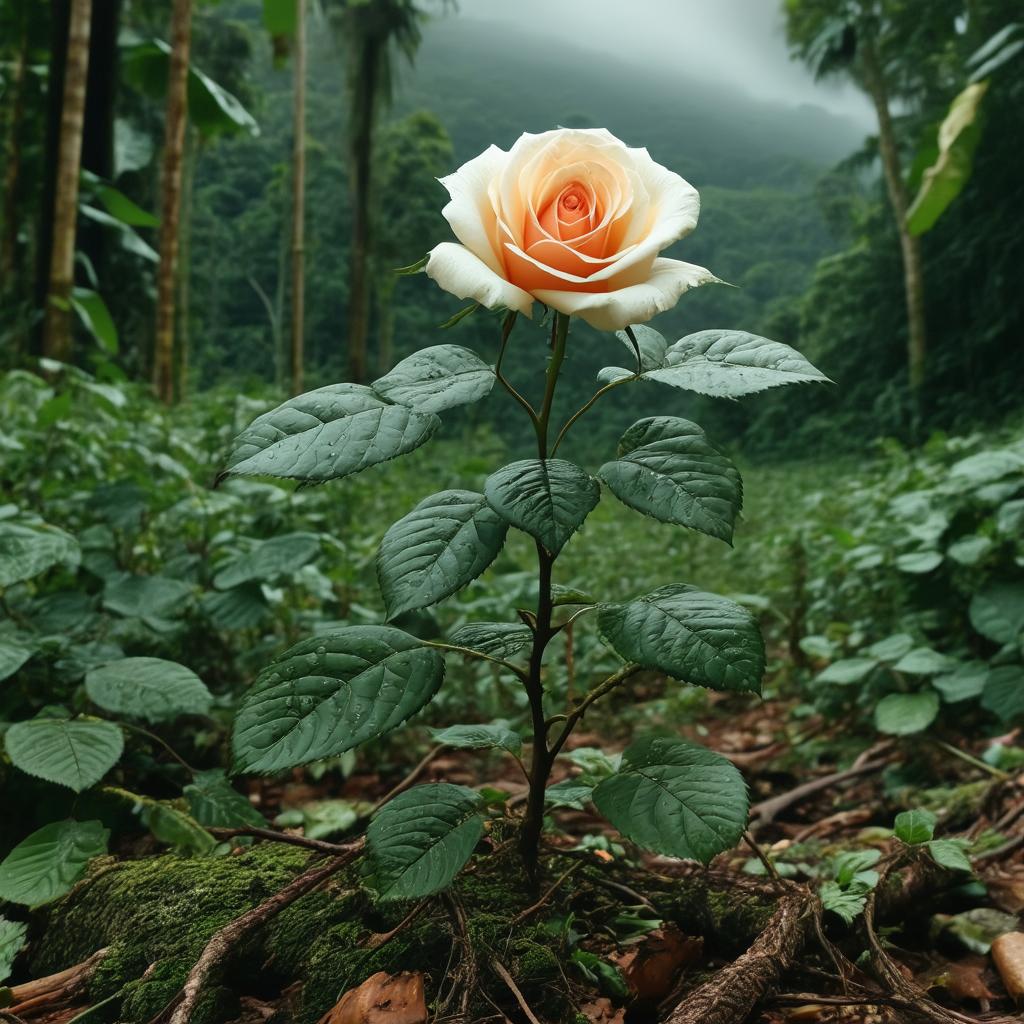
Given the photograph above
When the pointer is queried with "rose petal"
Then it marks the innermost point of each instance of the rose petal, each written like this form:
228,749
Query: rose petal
612,311
465,275
470,211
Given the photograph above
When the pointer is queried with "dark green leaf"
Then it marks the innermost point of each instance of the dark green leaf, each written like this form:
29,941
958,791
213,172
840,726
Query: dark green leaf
692,635
916,826
499,639
418,842
548,499
73,752
331,693
1004,692
27,552
269,559
667,470
437,378
96,318
997,612
148,688
445,542
950,854
676,798
479,737
12,940
215,803
49,862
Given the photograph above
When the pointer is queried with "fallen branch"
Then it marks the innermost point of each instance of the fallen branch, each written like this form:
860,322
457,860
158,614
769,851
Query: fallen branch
291,838
514,989
220,945
54,990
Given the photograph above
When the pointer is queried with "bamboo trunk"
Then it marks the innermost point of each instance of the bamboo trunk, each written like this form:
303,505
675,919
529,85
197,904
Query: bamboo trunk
57,321
12,173
170,205
299,203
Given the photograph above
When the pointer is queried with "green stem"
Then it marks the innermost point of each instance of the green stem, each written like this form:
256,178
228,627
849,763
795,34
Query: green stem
506,333
469,652
540,765
596,693
584,408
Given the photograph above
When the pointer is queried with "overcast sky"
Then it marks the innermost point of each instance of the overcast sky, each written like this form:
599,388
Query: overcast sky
741,41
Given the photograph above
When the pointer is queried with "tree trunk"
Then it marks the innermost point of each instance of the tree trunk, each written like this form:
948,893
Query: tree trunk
170,204
910,247
184,346
362,164
12,173
57,321
299,202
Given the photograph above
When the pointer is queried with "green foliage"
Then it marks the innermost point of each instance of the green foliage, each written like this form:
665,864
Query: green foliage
73,752
147,688
916,826
437,378
479,737
330,693
12,940
675,798
47,863
419,841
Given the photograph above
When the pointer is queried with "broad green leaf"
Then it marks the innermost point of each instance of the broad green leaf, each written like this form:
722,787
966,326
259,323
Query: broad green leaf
651,344
817,646
997,612
269,559
692,635
418,842
215,803
499,639
242,607
916,826
667,469
675,798
568,793
49,862
919,562
445,542
1010,519
901,714
12,940
1004,692
945,179
437,378
118,205
969,550
328,434
847,671
148,688
96,318
986,467
155,599
479,737
847,902
12,656
729,364
548,499
853,865
331,693
131,241
950,854
923,661
963,682
27,552
174,827
73,752
892,648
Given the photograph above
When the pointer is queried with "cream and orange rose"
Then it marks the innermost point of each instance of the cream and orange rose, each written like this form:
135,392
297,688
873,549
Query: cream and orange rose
574,219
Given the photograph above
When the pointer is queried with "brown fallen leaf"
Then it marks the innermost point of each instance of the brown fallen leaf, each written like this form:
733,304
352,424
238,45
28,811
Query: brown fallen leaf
965,980
382,999
601,1011
1008,956
652,967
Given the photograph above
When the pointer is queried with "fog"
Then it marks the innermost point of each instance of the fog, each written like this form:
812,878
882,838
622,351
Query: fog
741,42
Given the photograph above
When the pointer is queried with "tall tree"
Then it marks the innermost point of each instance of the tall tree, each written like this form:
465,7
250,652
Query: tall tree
170,201
372,31
15,103
299,201
866,40
57,320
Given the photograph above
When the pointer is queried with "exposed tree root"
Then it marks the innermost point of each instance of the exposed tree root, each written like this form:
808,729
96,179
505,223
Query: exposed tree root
54,991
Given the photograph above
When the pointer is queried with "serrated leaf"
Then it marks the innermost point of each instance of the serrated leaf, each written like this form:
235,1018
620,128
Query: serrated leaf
437,378
174,827
847,671
651,344
997,612
848,903
692,635
215,803
27,552
667,469
419,841
479,737
269,559
12,941
328,434
729,364
915,826
675,798
149,688
548,499
331,693
950,854
445,542
499,639
901,714
1004,692
73,752
49,862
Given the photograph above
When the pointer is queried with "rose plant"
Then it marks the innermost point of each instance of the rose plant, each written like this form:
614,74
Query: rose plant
574,220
